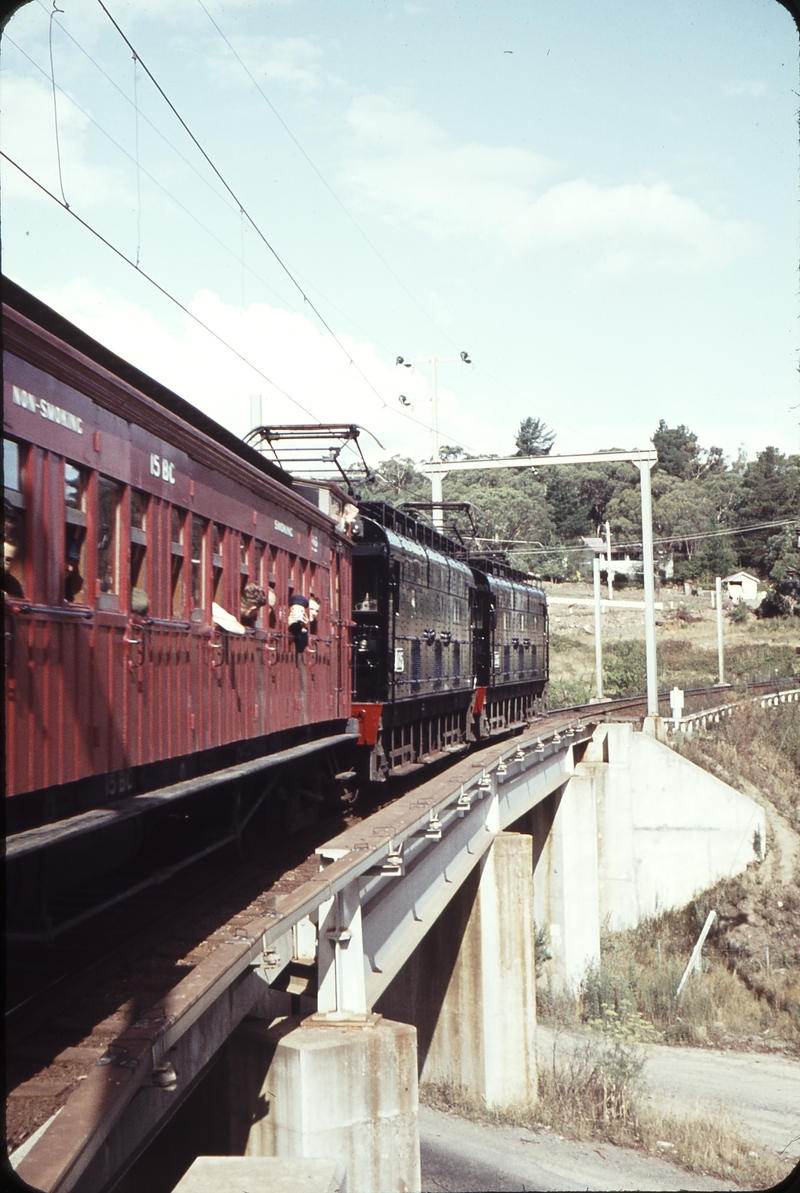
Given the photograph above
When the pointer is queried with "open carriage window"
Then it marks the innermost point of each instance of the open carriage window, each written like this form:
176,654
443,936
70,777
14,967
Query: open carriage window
76,483
177,594
217,563
140,601
13,521
107,537
198,558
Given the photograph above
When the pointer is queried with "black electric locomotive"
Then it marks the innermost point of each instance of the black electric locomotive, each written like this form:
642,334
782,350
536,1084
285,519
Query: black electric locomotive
447,648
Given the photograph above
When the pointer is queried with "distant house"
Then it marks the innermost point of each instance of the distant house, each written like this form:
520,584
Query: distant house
742,586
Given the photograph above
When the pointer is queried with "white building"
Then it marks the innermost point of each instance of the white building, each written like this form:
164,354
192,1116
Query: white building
742,586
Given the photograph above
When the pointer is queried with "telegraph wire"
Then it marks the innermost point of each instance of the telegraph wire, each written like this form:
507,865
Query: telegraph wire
158,287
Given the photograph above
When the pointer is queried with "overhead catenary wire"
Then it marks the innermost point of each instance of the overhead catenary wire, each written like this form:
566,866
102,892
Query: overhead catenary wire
202,177
147,173
324,180
240,207
55,104
142,170
158,286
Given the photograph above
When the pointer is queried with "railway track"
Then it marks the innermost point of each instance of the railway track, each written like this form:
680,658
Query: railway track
57,1029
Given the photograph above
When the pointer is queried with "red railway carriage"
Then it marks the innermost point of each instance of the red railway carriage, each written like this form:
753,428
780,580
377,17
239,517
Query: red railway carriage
149,562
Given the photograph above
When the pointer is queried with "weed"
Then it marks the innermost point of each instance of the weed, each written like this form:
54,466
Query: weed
592,1089
541,949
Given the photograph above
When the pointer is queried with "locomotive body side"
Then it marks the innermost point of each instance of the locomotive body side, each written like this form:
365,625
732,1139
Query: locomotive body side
131,538
411,649
443,652
511,649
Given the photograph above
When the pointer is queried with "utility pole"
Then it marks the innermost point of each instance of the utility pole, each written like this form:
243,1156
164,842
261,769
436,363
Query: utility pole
720,651
436,482
649,588
608,561
598,642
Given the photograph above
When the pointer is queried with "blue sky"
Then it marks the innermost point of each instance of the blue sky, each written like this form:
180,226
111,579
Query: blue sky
597,200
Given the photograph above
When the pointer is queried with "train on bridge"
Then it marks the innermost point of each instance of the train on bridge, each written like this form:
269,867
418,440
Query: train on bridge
176,603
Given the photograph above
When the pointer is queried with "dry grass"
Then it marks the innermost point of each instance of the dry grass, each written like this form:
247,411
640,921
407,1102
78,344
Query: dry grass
593,1091
687,646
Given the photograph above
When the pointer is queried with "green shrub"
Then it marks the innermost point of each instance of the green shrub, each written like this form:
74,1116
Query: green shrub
625,668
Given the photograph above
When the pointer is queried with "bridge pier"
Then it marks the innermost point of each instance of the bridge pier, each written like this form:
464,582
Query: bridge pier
343,1092
469,987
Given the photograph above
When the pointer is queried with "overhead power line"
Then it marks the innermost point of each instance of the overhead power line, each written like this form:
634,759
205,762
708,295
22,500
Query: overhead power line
675,538
239,203
323,179
157,285
140,115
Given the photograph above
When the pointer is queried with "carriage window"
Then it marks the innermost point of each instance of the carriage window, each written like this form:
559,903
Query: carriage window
198,549
140,601
138,510
177,522
76,481
11,465
107,514
217,546
13,521
13,549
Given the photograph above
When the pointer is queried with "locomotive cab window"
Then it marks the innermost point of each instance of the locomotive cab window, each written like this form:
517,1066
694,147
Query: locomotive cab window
76,484
139,599
13,521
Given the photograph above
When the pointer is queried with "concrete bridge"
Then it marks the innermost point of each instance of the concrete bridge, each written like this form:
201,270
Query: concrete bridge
412,958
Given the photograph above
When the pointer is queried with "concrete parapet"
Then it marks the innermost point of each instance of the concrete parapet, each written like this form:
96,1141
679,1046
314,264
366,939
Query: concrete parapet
470,986
348,1092
262,1174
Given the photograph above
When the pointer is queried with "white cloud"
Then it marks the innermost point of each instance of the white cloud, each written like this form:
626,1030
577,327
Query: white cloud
751,87
290,350
29,139
292,60
402,164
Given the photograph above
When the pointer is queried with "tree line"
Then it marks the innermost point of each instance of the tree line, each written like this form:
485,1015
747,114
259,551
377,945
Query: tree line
710,513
